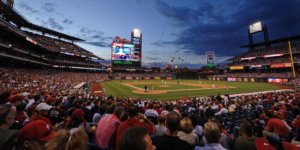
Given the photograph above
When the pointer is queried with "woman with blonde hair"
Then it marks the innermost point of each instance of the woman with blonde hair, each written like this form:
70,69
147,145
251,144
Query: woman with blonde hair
67,140
186,132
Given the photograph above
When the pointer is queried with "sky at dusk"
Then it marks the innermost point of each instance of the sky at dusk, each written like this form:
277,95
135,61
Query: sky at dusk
170,28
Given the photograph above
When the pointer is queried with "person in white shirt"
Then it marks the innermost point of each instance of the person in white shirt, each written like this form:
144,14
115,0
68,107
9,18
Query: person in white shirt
36,98
223,110
161,126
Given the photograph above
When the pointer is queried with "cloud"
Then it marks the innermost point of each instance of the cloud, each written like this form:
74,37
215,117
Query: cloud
67,21
49,7
52,23
177,14
221,26
162,43
100,44
154,64
151,58
95,37
25,7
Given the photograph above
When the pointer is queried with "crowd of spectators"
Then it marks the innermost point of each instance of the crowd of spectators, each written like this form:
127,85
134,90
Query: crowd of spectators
297,59
260,53
24,49
38,112
60,45
295,83
269,61
264,51
46,80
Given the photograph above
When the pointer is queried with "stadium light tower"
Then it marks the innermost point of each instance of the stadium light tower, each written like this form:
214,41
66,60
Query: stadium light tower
136,40
137,32
256,28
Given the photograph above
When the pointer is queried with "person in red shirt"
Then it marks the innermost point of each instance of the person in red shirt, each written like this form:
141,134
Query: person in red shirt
276,129
135,120
42,113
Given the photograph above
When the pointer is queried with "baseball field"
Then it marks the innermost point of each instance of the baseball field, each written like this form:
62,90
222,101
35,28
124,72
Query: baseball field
174,89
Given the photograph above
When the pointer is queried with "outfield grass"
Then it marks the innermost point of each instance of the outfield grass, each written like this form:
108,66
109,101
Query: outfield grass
163,86
116,88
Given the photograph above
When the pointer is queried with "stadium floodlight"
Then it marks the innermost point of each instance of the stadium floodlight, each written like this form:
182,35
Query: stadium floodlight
255,27
137,33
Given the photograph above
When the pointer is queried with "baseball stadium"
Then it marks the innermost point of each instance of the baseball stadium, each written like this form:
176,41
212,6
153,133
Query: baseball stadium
56,93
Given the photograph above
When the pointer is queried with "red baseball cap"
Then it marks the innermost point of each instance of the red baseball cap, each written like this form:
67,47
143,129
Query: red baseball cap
37,130
77,113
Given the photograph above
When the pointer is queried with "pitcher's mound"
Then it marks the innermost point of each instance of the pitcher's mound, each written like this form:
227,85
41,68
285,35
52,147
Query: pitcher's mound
149,92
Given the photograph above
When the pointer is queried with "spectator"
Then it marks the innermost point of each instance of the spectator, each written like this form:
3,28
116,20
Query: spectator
95,112
77,121
161,126
296,125
35,135
276,129
35,99
8,136
212,134
64,140
170,140
197,124
223,110
135,120
107,128
42,110
20,115
150,112
136,138
225,139
246,140
187,133
64,124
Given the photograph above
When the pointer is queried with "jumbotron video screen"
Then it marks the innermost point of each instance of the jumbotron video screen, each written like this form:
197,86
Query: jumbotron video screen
125,54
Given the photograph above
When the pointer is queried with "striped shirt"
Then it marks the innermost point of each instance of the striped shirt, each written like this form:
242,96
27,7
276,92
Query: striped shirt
106,131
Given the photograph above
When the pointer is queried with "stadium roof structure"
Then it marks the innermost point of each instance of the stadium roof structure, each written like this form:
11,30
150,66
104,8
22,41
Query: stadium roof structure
275,41
15,17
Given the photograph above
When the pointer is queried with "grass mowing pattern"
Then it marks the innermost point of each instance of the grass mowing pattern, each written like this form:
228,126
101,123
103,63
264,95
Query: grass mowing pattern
115,88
